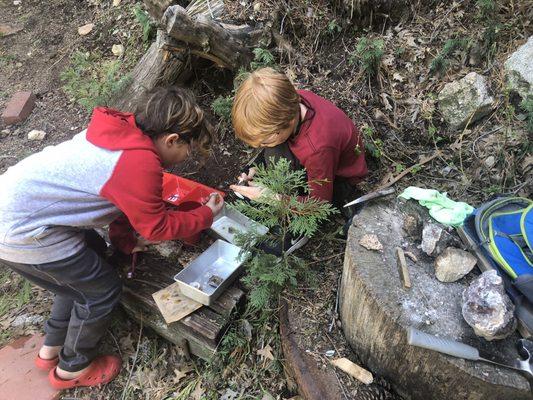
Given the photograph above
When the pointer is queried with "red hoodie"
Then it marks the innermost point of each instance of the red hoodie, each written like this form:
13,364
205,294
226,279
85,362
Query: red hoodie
134,184
327,145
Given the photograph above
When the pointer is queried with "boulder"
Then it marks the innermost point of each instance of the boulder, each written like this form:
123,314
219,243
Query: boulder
36,135
465,101
453,264
519,70
487,308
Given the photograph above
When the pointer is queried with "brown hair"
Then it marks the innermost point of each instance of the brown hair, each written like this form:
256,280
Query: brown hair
165,110
265,103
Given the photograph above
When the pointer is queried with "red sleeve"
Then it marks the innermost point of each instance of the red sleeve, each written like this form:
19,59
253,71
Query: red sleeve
122,234
135,187
320,169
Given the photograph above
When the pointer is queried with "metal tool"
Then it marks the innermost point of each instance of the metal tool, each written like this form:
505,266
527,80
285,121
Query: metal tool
370,196
240,182
461,350
133,264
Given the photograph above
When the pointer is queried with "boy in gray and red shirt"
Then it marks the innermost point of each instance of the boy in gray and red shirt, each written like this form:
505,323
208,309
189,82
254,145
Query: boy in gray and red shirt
111,173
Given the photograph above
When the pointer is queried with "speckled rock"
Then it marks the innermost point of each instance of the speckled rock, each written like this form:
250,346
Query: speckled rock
487,308
519,70
453,264
465,101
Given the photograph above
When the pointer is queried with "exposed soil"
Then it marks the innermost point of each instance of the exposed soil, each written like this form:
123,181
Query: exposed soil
395,110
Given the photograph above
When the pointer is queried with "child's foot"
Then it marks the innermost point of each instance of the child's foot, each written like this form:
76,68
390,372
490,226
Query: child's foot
102,370
47,358
49,352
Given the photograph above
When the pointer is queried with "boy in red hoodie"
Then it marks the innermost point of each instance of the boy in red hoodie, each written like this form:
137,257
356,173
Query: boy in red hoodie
111,173
298,125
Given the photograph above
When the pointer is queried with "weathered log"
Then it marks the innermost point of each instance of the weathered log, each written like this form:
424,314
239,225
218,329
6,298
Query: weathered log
203,329
192,33
202,36
156,8
376,311
313,384
158,66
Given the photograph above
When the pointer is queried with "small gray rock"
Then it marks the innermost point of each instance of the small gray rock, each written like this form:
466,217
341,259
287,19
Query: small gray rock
465,100
431,235
27,319
453,264
519,69
487,308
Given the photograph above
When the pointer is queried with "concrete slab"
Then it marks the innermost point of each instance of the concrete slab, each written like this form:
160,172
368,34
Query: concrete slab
19,378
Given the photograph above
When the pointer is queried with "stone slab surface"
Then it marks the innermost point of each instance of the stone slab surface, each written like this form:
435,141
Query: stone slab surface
19,378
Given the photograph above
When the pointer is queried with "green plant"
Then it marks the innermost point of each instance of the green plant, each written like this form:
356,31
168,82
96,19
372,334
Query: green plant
222,107
527,106
441,61
92,83
262,58
368,54
373,145
333,27
143,19
280,210
487,9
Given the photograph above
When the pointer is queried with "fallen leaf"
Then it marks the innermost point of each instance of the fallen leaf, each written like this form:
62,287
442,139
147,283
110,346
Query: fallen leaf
198,392
371,242
397,77
116,3
266,353
85,29
179,375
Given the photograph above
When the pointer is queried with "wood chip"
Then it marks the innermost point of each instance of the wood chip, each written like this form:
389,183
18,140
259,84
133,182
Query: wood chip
85,29
173,305
411,256
402,267
371,242
354,370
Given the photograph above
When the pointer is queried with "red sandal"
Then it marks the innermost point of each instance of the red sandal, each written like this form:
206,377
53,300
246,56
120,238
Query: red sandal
44,364
102,370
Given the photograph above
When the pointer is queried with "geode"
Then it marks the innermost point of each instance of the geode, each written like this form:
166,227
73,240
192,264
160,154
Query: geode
487,308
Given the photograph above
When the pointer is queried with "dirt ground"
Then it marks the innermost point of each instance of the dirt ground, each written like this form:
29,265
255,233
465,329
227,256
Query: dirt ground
396,112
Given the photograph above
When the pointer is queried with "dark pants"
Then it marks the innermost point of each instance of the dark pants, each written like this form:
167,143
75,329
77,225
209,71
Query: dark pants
343,191
86,290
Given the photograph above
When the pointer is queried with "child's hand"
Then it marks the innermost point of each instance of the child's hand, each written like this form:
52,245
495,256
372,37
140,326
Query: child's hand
247,178
215,203
253,192
142,244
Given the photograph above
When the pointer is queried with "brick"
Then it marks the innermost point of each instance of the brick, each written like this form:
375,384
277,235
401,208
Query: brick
18,108
19,378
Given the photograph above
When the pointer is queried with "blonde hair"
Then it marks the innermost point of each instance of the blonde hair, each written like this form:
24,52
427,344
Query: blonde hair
265,103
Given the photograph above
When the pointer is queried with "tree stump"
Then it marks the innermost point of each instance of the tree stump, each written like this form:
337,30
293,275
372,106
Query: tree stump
376,310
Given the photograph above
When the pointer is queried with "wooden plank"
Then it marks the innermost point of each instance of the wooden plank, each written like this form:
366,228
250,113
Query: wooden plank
202,329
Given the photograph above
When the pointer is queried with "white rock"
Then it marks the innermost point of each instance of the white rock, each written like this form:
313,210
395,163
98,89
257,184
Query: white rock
490,161
371,242
453,264
17,2
27,319
116,3
85,29
519,69
431,235
465,101
36,135
117,49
